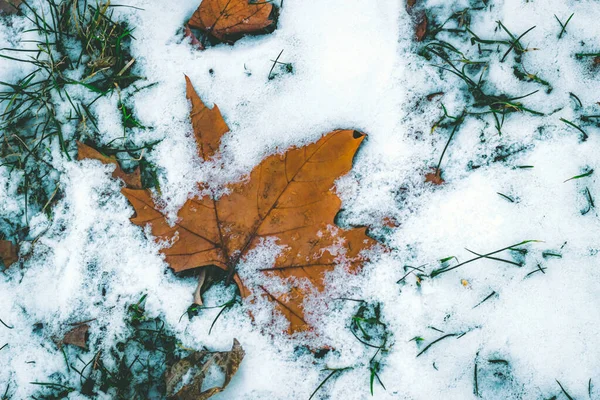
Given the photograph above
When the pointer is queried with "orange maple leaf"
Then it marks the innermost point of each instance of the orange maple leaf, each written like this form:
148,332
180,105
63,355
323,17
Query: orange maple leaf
288,197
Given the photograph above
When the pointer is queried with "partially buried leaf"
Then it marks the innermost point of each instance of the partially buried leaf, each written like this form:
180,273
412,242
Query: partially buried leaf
184,378
77,336
390,222
432,96
227,20
132,180
187,32
10,6
434,177
421,28
288,197
8,253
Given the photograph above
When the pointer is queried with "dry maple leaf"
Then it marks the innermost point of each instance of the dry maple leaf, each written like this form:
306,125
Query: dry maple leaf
227,20
9,253
288,197
132,180
192,371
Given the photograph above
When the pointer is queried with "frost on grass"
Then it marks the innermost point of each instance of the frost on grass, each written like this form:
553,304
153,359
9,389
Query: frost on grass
489,328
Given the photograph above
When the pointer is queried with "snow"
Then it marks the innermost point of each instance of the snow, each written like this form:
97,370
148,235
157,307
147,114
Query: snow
354,66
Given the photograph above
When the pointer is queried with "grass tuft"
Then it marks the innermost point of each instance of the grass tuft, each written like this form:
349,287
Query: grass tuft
132,369
81,45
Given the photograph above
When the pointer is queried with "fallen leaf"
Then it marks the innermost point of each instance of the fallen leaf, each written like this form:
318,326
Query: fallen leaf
421,28
390,222
195,367
187,32
464,282
9,253
434,177
432,96
77,336
132,180
227,20
10,6
287,196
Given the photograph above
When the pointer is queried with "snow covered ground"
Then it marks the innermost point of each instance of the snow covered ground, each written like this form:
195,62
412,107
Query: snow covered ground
355,65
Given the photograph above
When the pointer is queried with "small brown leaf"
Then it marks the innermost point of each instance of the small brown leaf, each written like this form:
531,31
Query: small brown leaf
421,28
10,6
77,336
132,180
432,96
9,253
227,20
194,369
434,177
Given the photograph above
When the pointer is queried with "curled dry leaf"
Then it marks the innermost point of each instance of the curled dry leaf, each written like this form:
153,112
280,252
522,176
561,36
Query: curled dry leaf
432,96
9,253
132,180
227,20
10,6
194,368
434,177
288,197
77,336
